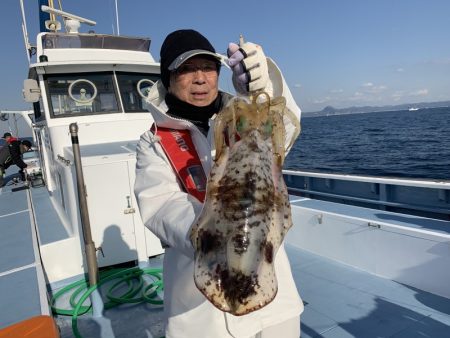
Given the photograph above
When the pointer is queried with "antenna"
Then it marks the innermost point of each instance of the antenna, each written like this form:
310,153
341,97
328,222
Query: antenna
67,15
117,19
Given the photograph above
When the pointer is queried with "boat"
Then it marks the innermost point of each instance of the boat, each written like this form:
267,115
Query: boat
370,255
413,109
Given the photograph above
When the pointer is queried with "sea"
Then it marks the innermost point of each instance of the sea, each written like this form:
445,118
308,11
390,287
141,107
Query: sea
405,144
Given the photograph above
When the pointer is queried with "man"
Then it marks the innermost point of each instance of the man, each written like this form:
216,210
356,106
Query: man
9,138
187,98
12,154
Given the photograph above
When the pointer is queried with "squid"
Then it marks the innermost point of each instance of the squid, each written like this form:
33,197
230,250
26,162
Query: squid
246,213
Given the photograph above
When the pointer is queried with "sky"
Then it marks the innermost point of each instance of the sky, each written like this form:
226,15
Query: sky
336,53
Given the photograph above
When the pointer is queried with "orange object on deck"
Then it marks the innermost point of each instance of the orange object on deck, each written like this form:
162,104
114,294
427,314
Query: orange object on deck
35,327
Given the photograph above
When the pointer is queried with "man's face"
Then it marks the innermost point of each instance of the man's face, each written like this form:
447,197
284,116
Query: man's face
195,81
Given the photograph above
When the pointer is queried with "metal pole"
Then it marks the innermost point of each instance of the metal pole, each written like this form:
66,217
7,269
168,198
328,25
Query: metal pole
25,33
117,19
89,245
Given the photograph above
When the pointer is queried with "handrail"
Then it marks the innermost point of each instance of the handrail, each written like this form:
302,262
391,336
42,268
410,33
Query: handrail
424,198
296,191
416,182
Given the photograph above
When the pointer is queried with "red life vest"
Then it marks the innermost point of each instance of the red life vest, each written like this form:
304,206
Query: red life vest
12,139
179,149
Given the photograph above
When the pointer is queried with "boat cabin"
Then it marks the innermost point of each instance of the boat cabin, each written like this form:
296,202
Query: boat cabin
99,82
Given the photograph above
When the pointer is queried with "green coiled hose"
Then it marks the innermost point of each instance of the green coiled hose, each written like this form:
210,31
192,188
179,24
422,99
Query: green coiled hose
133,277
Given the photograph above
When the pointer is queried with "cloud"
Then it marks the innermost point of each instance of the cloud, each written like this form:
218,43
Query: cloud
322,100
402,95
419,92
336,91
398,95
370,88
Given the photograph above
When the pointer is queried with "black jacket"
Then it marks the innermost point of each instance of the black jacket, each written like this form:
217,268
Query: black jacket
10,154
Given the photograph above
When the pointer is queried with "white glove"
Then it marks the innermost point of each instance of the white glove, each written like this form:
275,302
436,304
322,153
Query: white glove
249,65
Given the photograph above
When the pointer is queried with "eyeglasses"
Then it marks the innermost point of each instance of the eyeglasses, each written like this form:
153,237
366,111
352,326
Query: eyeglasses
190,68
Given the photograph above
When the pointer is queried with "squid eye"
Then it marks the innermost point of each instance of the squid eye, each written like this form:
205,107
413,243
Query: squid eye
241,124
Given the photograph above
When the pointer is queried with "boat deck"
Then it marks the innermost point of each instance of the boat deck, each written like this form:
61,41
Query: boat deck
345,302
340,301
22,281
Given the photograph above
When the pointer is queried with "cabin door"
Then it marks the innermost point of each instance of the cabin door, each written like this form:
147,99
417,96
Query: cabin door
109,197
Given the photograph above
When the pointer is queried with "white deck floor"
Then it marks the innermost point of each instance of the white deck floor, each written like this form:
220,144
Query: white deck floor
339,302
345,302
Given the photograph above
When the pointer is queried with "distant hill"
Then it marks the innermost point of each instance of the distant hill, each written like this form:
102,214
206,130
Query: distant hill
329,110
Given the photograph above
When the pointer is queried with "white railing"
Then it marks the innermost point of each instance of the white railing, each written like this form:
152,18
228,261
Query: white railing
428,198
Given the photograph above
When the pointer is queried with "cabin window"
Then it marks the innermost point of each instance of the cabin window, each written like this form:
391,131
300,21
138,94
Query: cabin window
81,94
133,88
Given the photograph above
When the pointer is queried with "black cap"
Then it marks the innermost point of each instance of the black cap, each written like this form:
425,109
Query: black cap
178,47
5,135
26,143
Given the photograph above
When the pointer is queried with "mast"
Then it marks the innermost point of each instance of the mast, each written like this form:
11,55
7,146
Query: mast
43,16
25,33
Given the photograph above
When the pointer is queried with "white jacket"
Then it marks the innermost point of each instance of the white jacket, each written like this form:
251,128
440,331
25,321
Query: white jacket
169,213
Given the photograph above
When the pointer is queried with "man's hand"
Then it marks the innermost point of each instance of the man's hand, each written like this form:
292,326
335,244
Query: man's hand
249,65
